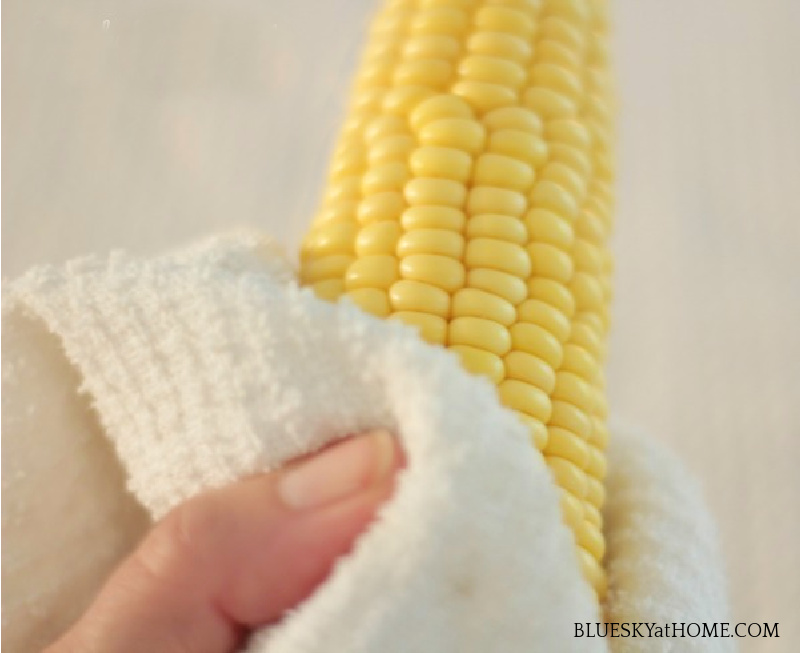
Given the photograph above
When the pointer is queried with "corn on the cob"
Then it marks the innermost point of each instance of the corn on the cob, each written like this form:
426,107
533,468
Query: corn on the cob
470,196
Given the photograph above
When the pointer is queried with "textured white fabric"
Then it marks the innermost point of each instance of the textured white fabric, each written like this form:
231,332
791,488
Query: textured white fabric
210,364
663,556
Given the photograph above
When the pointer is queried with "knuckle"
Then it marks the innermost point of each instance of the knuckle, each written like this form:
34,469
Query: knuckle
160,554
182,539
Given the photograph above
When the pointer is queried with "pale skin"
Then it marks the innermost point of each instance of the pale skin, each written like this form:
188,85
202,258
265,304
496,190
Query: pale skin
233,559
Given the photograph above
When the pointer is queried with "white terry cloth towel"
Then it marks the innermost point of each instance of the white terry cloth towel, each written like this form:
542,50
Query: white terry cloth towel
211,363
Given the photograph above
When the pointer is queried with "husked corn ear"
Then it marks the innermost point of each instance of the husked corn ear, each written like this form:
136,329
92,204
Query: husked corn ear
470,195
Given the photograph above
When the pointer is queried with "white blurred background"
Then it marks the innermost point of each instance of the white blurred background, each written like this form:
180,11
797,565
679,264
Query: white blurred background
146,124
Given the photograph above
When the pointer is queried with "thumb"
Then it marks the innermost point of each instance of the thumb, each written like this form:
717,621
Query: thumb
232,559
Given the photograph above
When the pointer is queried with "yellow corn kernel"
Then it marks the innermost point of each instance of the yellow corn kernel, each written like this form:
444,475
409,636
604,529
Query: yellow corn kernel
596,464
550,262
431,241
440,271
500,45
500,283
548,103
395,147
330,289
431,327
547,227
569,131
484,96
588,257
433,217
371,300
383,126
347,189
459,133
564,32
590,223
517,118
587,291
327,267
505,20
587,337
590,538
525,398
592,515
568,476
416,296
493,70
338,210
497,227
440,20
565,177
347,164
592,571
574,390
599,437
558,53
378,238
479,332
423,191
557,78
502,171
572,509
381,206
444,162
497,255
480,361
546,316
531,369
578,361
553,293
473,302
376,271
575,12
333,238
424,72
595,492
550,195
567,445
488,199
439,107
536,429
580,161
400,100
530,148
470,195
533,339
569,417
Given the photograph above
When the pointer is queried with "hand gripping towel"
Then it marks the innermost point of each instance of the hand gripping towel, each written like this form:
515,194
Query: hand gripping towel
211,363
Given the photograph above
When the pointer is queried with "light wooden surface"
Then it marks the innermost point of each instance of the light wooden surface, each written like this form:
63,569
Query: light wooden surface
143,125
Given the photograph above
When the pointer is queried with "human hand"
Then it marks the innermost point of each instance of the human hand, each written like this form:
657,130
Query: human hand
233,559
